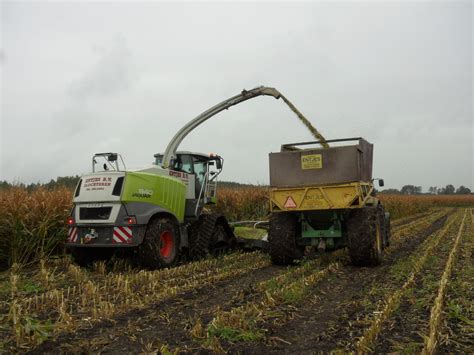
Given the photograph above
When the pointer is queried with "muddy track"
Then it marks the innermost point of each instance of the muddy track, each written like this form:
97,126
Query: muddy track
410,322
334,303
457,331
166,322
406,220
335,308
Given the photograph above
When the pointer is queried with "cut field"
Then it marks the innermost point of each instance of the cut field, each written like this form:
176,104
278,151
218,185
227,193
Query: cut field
419,300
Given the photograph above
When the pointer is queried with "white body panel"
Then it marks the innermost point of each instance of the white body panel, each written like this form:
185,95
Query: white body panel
112,217
98,187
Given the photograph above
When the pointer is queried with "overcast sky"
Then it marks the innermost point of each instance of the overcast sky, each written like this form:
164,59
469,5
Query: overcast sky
79,78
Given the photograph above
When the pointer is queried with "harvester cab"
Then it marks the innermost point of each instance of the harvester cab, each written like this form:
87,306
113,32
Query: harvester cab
199,172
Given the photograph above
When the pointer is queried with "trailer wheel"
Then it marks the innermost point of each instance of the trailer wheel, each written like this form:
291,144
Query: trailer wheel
384,220
160,247
365,236
388,229
282,239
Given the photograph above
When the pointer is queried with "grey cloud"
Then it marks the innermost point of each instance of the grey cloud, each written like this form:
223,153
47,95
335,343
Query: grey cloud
397,73
113,73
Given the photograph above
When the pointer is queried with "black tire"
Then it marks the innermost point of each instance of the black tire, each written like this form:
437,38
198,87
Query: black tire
210,234
160,247
284,229
383,223
364,236
86,256
388,229
223,238
200,233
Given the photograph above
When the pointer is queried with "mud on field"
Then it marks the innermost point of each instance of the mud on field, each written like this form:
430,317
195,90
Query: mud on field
242,303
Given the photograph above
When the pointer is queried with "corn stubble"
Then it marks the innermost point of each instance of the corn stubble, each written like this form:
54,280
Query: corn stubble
47,296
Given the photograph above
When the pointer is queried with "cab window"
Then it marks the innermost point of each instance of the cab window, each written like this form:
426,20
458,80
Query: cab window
200,165
184,163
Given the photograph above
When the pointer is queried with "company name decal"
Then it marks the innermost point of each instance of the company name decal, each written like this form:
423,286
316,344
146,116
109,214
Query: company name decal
143,193
178,174
97,183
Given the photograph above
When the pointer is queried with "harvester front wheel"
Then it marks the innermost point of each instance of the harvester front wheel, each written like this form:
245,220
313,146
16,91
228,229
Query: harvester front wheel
365,236
282,236
160,248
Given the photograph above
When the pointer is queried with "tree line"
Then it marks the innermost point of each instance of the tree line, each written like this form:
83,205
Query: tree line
432,190
67,181
71,182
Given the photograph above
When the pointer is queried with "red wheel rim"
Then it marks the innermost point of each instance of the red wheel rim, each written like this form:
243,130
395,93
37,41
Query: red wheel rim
166,240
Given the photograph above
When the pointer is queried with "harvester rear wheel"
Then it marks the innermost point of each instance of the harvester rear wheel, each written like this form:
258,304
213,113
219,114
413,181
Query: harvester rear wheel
160,248
282,239
365,236
209,234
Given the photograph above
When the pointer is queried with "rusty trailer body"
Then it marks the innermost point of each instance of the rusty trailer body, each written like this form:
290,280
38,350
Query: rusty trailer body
294,166
321,178
324,197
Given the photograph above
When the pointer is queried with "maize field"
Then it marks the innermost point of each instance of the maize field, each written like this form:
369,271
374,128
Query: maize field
420,299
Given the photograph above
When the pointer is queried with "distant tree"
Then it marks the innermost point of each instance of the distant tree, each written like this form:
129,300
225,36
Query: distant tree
67,181
390,192
4,185
449,190
462,190
433,190
411,190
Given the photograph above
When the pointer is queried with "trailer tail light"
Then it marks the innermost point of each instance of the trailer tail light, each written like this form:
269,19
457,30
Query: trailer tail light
131,220
70,221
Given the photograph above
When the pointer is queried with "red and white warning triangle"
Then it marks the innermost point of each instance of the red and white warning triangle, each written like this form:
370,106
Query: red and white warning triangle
290,203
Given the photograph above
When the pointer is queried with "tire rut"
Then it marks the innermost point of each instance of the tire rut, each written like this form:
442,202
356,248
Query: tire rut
408,324
326,321
167,321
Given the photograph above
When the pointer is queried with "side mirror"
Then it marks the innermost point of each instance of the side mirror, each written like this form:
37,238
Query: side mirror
218,163
381,183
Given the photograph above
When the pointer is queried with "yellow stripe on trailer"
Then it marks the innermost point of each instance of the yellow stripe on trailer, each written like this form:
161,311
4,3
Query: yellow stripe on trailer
341,196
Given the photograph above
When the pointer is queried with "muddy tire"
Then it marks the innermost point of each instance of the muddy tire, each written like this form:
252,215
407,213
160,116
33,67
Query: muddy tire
209,235
365,236
384,218
223,238
200,233
87,256
282,236
160,247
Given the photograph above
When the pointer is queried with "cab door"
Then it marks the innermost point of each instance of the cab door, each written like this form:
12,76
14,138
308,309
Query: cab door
200,166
